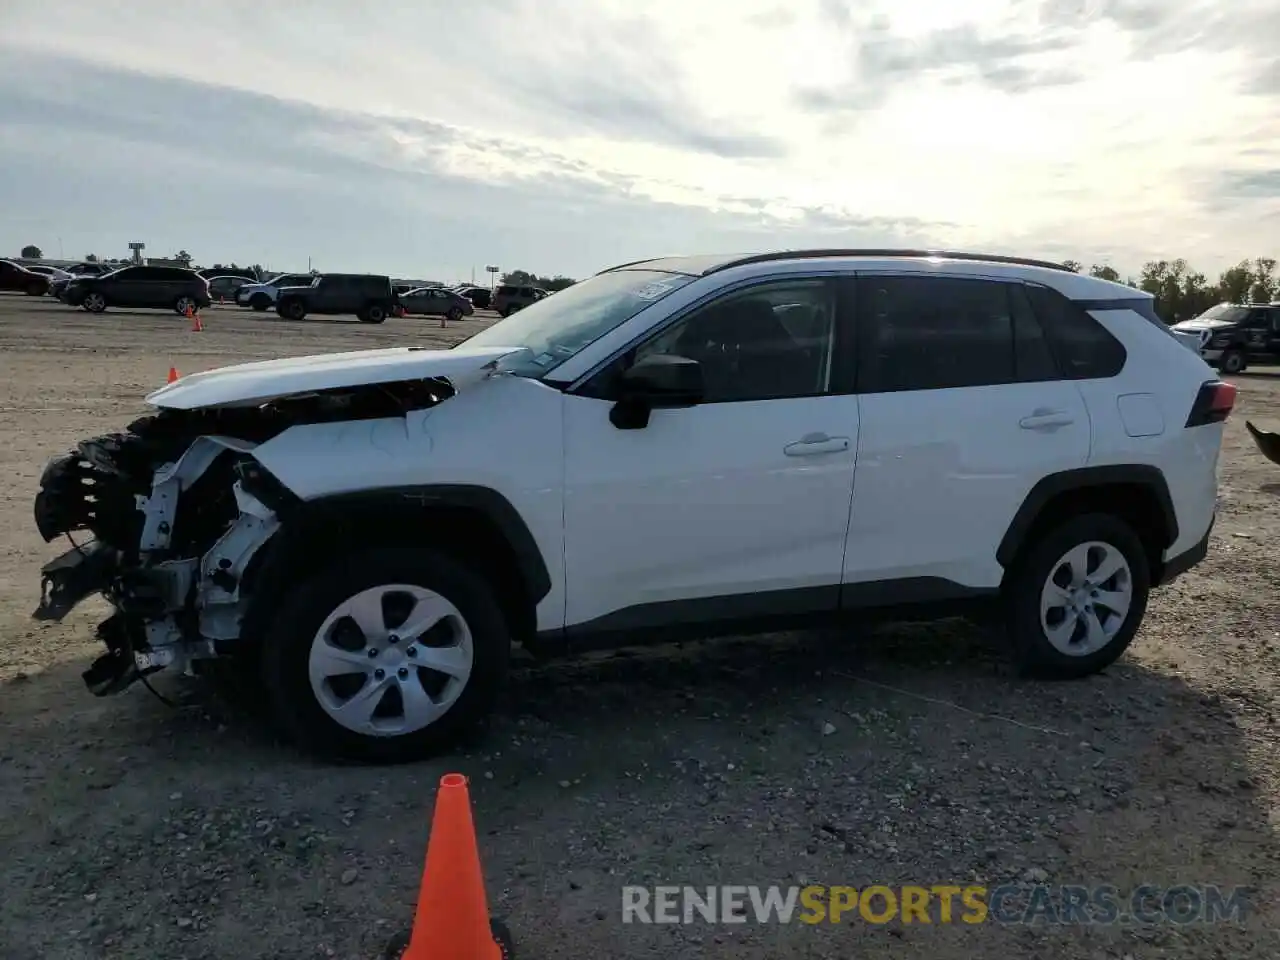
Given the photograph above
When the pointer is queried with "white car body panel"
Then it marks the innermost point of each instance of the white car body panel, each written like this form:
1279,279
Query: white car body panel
1157,365
504,435
704,501
248,384
941,473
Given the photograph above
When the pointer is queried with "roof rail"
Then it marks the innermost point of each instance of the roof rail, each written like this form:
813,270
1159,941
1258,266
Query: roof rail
622,266
943,254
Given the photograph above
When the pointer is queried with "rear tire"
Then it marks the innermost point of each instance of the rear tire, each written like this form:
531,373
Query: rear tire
94,302
181,305
375,313
454,314
292,310
312,629
37,289
1233,361
1064,621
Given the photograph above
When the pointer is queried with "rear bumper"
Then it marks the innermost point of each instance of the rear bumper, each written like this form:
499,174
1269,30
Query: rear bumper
1175,567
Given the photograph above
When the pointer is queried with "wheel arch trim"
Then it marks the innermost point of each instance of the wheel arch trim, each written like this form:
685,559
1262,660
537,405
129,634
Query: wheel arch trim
1084,478
484,500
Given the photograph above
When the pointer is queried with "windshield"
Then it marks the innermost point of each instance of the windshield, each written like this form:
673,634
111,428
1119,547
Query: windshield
556,328
1225,312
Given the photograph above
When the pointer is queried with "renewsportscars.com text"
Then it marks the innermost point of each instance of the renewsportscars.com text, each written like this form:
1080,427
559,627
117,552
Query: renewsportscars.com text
936,903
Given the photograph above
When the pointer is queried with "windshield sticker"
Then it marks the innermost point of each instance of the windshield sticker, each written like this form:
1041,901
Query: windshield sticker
652,291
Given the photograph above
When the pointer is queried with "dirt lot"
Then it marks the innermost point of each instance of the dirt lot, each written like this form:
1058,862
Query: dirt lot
136,830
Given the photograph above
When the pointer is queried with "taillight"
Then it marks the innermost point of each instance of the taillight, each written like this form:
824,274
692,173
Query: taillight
1213,404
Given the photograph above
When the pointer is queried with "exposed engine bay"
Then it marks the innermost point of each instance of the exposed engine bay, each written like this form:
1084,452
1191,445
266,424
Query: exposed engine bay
178,511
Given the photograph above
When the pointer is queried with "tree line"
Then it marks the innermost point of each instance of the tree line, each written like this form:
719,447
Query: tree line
523,278
1182,292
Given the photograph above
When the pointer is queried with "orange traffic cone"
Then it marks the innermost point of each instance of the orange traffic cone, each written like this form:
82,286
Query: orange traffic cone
173,374
452,918
196,324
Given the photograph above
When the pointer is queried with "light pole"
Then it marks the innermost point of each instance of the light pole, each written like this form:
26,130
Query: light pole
493,276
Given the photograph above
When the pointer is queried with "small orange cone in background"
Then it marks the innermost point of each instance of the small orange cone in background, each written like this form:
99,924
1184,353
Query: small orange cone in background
452,918
173,375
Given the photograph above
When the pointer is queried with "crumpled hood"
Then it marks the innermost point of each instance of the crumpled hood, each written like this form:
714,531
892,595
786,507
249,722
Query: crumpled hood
249,384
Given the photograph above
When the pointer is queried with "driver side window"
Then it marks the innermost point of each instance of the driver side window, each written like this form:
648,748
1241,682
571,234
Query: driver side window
770,341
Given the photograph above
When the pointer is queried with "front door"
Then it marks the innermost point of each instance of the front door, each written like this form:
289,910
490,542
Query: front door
734,507
963,411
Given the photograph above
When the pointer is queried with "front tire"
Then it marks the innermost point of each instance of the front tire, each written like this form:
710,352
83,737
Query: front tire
183,304
94,302
37,289
454,314
389,656
1077,597
374,313
1233,361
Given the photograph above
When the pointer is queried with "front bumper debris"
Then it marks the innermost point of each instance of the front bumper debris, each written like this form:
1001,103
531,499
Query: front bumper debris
76,574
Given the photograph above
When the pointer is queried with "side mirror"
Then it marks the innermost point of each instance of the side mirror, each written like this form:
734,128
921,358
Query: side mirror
655,383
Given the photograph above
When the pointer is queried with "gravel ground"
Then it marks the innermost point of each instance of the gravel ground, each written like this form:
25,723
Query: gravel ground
901,755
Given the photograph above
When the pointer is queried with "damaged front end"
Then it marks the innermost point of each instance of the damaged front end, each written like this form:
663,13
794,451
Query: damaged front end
177,509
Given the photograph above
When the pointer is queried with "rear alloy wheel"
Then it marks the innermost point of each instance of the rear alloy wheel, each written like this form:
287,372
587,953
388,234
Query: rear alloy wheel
94,302
400,668
454,314
182,305
1078,597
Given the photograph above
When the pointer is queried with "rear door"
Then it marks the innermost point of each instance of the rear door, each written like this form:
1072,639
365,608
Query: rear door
962,412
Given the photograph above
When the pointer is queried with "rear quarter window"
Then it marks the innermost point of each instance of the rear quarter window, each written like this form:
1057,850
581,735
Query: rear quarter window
1083,348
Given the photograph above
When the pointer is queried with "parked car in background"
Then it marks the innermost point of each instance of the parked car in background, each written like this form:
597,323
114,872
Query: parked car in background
16,278
172,288
436,302
50,274
368,296
507,299
480,297
259,296
224,287
1231,335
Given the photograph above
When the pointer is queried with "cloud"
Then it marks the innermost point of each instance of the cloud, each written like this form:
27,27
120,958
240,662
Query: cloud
1247,184
560,136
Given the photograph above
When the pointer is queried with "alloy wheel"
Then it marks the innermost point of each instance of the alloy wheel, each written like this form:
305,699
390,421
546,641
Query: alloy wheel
391,660
1086,598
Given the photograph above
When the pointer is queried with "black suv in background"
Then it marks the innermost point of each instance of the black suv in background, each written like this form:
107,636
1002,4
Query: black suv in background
171,288
1233,334
507,299
368,296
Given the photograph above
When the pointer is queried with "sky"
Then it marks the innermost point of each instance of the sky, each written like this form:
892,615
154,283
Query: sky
429,139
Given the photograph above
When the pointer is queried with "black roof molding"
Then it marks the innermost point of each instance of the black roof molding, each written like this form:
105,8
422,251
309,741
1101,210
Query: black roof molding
884,252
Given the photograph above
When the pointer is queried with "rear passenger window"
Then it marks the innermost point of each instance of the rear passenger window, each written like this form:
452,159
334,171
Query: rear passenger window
932,333
1082,346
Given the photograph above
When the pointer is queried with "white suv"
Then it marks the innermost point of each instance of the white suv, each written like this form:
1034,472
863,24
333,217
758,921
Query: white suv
703,444
260,296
